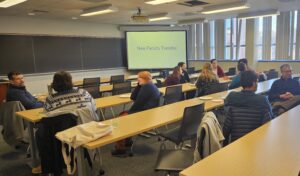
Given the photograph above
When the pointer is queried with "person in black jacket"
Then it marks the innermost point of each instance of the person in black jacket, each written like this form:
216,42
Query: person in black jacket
285,87
145,96
17,91
244,122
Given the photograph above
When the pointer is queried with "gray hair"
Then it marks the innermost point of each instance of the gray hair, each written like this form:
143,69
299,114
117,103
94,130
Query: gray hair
284,66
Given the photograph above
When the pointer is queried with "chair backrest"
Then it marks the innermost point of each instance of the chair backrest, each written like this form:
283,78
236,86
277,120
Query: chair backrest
231,71
49,147
159,83
120,88
91,81
272,75
173,94
93,90
191,120
117,79
191,70
215,88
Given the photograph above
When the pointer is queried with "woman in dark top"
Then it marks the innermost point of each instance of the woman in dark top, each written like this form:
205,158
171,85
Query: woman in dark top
145,96
206,79
174,78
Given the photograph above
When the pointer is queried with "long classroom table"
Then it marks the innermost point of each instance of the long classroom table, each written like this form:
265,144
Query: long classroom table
271,150
35,115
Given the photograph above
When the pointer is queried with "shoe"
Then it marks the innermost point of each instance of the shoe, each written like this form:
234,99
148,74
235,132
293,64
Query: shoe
118,152
36,170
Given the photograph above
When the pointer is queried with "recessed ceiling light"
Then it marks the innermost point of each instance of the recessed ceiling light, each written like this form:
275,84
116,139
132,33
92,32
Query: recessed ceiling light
159,17
266,13
225,8
99,10
31,14
156,2
74,18
9,3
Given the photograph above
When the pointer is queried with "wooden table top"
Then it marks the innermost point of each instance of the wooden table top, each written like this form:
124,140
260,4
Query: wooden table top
271,150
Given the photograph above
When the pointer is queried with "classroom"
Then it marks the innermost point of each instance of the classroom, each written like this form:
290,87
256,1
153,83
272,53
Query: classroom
149,87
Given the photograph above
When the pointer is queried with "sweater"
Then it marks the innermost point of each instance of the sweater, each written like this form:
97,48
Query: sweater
145,97
16,93
203,84
172,80
282,86
68,102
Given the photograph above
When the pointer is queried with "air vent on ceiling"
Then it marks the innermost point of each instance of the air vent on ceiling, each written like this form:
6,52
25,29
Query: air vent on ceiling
193,3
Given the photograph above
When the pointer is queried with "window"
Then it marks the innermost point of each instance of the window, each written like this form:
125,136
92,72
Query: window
212,39
273,37
259,39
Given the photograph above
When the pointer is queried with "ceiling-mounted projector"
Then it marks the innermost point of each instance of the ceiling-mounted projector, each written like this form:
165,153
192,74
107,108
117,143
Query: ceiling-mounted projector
139,17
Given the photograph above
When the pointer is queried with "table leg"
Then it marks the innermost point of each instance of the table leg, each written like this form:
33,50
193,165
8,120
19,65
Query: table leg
80,167
33,146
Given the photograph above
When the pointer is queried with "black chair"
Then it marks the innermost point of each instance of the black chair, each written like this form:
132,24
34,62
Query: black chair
121,88
231,71
177,160
159,83
191,70
93,90
50,148
91,81
215,88
272,75
173,94
117,79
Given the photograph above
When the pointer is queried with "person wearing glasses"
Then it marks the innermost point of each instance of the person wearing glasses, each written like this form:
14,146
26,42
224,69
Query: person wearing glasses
285,87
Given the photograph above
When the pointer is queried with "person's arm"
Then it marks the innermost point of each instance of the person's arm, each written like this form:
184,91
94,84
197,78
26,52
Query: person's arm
135,92
273,93
268,110
27,100
220,72
187,77
235,82
227,128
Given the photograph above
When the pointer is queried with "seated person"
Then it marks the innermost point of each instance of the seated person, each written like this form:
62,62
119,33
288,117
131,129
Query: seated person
261,75
17,91
184,75
206,79
236,81
145,96
67,99
216,68
174,78
245,99
285,87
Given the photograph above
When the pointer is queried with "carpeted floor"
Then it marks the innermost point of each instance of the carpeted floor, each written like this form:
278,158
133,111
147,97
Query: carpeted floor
14,162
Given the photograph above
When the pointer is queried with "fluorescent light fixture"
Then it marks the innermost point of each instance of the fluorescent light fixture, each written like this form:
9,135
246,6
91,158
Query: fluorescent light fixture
191,21
159,17
156,2
99,10
225,8
273,12
8,3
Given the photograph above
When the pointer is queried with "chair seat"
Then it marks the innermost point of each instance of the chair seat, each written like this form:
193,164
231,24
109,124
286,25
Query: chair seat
174,160
172,135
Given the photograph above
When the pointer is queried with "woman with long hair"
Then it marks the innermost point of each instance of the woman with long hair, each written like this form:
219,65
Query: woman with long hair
206,79
174,78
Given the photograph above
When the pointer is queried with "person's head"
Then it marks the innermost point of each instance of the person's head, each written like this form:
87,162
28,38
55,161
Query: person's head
182,65
249,80
62,81
177,71
244,60
214,63
286,71
207,72
144,77
241,67
16,78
